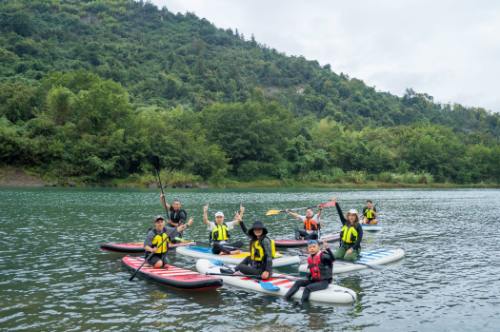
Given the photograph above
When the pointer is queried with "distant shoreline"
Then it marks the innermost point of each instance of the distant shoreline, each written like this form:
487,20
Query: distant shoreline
16,177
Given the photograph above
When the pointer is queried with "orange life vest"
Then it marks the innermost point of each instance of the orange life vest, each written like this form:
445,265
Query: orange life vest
311,225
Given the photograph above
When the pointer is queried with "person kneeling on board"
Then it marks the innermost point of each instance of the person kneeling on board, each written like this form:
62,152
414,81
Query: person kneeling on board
350,235
262,251
320,264
370,214
154,239
177,213
312,225
219,235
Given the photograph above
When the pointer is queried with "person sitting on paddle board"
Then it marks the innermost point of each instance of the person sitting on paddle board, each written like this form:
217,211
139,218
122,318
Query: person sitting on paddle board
154,239
370,213
320,265
219,235
177,213
312,225
262,251
350,235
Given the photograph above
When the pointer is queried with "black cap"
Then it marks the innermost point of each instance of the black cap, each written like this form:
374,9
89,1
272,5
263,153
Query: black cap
159,217
258,224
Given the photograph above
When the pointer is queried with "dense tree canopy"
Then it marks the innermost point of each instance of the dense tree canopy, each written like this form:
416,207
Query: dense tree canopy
89,88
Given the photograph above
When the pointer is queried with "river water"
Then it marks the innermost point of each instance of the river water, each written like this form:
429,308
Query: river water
54,277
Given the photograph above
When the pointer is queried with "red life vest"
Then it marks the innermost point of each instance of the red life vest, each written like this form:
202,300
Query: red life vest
313,263
311,225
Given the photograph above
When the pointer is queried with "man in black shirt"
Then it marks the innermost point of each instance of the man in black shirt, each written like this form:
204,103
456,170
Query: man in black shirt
177,214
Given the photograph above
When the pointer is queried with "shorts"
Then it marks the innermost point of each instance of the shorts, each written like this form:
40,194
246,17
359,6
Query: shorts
157,257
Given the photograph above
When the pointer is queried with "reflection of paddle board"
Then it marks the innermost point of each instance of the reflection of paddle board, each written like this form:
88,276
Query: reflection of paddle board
136,247
201,252
299,243
173,276
373,257
333,294
371,228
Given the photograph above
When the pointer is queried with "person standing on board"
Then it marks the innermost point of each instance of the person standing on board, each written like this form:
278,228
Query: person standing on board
320,265
155,241
370,213
177,213
219,232
312,225
350,235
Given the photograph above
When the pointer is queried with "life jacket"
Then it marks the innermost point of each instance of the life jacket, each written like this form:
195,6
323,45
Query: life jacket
258,253
175,215
349,234
220,233
319,271
158,239
369,213
311,225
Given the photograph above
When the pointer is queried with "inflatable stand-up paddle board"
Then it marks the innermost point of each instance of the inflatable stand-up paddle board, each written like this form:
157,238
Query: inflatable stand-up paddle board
134,247
173,276
303,243
206,253
333,294
373,257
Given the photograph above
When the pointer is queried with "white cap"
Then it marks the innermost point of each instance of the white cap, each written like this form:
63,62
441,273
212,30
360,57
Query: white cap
219,214
353,211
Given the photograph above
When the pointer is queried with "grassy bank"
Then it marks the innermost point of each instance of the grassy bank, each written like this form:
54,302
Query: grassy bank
12,176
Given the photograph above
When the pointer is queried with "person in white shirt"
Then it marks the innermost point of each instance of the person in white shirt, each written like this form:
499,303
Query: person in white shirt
219,233
312,225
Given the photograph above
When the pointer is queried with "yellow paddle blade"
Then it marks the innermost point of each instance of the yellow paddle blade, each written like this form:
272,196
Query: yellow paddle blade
272,212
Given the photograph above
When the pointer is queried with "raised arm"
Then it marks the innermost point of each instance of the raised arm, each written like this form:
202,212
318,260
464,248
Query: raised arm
319,212
293,214
165,204
339,211
205,219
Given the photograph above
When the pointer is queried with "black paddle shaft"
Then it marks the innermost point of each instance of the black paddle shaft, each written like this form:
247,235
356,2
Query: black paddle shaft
155,161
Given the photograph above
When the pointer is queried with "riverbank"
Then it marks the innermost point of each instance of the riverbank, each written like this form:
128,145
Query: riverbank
11,176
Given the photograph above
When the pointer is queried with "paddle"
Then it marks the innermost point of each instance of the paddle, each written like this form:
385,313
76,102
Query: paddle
209,244
270,212
155,161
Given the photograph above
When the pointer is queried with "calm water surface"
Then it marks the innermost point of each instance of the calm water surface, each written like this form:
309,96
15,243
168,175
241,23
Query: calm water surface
54,277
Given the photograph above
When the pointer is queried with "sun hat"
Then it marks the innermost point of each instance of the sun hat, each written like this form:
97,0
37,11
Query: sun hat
352,211
257,224
219,214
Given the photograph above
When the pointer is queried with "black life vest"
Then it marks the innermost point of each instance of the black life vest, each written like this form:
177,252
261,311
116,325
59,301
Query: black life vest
175,215
319,271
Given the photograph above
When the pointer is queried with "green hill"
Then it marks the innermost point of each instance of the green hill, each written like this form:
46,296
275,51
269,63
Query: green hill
89,88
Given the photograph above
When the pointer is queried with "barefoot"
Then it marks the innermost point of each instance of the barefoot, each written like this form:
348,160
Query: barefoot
222,253
236,252
166,266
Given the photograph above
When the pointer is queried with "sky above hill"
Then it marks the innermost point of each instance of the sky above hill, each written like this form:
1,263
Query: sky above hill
448,49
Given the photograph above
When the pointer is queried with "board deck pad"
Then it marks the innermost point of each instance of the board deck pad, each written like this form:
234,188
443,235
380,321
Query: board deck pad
288,243
173,276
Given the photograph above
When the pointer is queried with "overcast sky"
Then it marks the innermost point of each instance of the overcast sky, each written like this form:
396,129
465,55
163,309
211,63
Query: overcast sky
449,49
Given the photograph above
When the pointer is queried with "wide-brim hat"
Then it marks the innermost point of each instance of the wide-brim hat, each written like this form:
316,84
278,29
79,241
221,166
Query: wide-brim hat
352,211
257,224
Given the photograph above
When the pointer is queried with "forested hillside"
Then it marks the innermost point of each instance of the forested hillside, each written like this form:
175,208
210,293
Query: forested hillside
88,89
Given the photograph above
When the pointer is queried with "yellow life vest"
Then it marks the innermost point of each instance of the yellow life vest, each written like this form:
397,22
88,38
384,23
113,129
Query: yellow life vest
158,239
369,214
220,233
349,234
258,252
